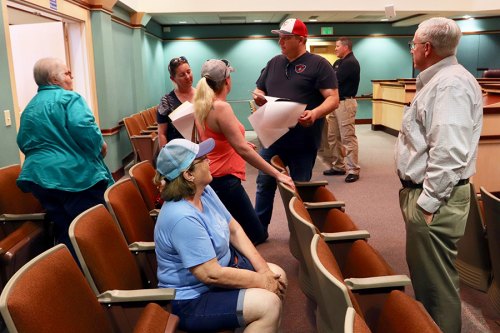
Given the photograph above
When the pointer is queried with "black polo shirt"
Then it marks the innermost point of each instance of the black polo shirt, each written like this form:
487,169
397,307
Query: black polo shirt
300,81
348,71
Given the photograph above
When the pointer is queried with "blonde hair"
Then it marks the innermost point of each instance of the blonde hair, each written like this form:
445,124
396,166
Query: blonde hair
204,98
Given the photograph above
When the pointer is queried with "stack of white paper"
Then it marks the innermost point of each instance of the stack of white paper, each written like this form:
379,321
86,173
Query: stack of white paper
274,119
183,119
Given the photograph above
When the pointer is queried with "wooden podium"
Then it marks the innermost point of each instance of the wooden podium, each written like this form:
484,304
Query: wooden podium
390,97
488,157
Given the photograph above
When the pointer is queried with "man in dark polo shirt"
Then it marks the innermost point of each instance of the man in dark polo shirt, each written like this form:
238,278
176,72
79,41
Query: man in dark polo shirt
304,78
339,149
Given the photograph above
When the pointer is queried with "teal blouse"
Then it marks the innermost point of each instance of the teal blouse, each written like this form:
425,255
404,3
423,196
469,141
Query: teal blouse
61,141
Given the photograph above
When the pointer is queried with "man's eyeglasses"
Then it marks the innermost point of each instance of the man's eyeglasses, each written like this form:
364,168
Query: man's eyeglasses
412,45
176,62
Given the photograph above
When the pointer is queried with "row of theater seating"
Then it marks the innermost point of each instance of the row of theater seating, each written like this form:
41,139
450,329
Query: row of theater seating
115,250
354,288
24,230
478,260
143,134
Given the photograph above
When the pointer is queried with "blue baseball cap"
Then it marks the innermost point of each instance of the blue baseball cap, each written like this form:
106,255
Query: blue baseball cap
178,154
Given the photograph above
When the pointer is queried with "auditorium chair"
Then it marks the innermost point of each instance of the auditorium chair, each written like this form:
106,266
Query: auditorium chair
110,268
400,314
491,203
24,231
149,120
340,233
311,191
143,124
366,292
473,260
278,164
142,175
129,211
50,295
492,73
145,146
314,192
19,247
153,113
16,206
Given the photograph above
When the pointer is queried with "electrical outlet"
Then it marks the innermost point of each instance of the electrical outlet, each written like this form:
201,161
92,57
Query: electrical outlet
8,121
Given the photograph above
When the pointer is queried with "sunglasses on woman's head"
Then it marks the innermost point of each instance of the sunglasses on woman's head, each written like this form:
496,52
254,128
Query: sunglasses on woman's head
176,62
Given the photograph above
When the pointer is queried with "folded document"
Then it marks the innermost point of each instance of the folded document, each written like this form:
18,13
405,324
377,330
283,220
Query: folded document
275,118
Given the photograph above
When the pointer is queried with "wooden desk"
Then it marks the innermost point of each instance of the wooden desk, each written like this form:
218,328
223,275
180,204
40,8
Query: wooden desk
390,97
488,157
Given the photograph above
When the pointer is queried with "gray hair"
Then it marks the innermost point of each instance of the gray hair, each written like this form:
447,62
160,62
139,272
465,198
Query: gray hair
443,34
346,42
46,69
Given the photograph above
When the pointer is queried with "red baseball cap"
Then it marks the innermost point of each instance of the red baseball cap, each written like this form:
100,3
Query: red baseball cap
292,26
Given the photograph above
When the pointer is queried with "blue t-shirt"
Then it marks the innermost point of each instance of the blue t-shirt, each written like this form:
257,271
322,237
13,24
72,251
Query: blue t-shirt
186,237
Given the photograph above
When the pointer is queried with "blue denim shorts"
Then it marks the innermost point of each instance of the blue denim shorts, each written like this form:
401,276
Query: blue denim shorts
216,310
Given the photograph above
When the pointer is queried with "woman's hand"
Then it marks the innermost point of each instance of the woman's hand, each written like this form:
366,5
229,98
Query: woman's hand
254,147
104,149
274,283
286,180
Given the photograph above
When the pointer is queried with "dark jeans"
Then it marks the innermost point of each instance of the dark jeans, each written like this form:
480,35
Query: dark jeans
300,164
233,196
63,206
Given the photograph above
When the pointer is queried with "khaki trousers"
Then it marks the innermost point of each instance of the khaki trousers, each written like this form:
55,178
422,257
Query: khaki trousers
339,144
431,251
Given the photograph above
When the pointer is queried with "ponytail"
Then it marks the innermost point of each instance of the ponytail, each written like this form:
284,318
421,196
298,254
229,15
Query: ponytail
203,101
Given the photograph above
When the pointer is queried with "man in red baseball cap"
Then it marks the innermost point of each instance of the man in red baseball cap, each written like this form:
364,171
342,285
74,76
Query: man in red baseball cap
292,27
304,78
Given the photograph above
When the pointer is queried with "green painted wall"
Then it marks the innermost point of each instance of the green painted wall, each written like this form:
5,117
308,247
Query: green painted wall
247,56
8,147
130,69
131,65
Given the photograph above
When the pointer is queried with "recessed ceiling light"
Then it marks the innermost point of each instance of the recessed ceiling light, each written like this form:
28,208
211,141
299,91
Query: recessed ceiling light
313,20
257,21
384,19
182,22
468,17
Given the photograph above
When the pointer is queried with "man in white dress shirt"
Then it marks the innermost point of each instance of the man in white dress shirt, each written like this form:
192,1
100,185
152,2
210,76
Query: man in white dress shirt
436,154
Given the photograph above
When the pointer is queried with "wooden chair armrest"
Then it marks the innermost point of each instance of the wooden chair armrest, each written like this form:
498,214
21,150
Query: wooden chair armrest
324,205
142,246
23,217
138,295
314,183
388,281
345,235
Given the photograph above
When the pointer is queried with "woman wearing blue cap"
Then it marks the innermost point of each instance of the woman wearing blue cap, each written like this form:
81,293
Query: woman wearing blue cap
221,280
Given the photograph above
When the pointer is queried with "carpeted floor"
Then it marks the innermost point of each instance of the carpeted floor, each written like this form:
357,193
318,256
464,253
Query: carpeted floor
372,202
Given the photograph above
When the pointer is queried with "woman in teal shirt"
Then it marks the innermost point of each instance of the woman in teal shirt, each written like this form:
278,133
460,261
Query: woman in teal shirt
64,149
